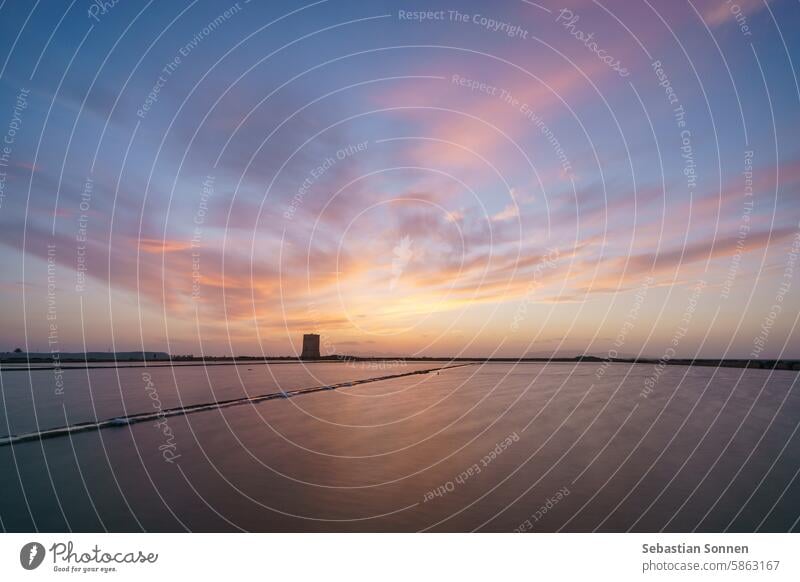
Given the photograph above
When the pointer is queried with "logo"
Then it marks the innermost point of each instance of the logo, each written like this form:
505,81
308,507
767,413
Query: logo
31,555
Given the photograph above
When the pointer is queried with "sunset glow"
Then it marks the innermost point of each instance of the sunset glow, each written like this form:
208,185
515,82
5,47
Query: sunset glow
479,181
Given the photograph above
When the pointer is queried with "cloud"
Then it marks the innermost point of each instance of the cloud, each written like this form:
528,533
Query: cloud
706,250
620,274
155,246
719,12
509,212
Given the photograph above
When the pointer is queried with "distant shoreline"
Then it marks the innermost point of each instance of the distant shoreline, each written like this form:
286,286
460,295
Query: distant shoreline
21,365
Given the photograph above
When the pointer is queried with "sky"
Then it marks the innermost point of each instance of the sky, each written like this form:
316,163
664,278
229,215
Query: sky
404,178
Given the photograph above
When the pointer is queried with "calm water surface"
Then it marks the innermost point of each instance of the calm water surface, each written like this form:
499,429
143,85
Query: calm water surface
494,447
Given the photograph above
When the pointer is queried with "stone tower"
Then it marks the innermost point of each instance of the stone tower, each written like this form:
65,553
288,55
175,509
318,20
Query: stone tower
310,347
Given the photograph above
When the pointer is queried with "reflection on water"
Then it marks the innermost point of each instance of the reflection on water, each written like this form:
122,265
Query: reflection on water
495,447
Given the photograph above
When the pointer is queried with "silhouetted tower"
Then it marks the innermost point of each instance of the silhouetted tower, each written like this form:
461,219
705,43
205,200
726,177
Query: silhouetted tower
310,347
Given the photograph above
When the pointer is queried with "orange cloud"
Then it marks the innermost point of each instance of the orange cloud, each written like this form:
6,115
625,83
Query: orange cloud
156,246
719,12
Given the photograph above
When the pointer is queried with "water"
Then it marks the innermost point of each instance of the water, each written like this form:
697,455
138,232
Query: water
494,447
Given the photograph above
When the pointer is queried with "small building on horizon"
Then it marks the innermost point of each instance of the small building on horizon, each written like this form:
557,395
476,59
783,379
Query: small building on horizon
310,347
